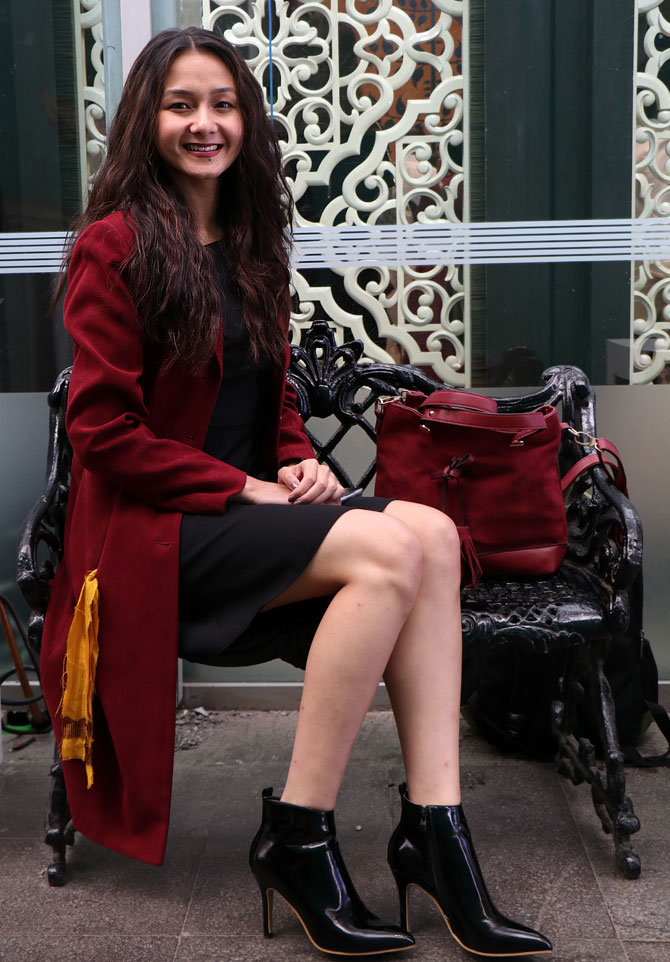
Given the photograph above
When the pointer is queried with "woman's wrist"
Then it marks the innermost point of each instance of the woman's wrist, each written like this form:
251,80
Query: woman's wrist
249,492
256,491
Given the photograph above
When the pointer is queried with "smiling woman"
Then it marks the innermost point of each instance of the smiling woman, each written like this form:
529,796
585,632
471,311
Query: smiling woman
197,506
199,130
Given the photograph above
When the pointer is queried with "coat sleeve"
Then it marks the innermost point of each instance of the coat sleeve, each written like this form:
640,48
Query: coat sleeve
107,418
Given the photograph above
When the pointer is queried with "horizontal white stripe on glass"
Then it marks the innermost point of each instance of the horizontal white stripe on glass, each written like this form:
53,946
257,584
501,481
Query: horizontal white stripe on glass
31,253
419,245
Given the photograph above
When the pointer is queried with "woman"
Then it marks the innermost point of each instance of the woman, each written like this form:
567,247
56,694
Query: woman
195,510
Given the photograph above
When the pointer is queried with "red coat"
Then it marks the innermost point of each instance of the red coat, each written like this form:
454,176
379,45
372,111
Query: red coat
138,464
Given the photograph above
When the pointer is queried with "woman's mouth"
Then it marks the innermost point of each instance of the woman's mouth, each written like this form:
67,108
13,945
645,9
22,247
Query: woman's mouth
203,148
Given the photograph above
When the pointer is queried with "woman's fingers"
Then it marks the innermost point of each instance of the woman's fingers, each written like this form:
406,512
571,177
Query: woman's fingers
311,483
307,473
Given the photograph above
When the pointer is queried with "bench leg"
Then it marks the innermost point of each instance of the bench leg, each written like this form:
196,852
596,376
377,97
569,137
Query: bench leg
577,757
60,831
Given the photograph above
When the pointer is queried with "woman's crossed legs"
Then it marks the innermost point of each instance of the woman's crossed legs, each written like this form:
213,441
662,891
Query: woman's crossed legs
395,611
394,579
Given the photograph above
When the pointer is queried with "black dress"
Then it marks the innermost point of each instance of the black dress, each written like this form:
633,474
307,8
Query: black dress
232,565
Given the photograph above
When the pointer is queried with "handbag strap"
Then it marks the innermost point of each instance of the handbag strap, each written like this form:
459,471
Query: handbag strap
519,425
634,757
463,400
614,467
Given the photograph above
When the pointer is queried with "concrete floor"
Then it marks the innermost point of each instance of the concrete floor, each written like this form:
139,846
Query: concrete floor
544,855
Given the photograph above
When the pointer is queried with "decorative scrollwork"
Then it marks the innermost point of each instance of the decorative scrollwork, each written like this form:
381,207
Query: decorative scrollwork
328,380
367,97
91,84
651,315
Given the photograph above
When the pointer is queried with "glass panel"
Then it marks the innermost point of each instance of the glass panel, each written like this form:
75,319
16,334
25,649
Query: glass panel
34,345
551,92
189,13
41,177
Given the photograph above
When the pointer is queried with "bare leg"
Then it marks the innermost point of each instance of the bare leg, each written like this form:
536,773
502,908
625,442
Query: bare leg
371,564
395,611
423,675
395,580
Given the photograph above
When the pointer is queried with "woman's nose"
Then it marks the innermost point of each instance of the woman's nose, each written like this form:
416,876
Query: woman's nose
202,120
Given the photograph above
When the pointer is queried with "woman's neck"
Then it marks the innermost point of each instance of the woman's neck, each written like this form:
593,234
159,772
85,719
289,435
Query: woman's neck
202,200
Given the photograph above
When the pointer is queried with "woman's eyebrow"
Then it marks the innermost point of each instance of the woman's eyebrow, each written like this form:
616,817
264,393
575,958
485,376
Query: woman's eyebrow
176,91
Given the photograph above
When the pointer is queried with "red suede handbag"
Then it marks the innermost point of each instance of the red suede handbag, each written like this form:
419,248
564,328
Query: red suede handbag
496,475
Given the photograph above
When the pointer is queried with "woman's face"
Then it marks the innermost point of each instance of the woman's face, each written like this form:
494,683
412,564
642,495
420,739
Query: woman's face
199,128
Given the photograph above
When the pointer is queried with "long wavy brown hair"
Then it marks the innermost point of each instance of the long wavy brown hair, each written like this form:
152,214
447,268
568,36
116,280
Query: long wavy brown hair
169,272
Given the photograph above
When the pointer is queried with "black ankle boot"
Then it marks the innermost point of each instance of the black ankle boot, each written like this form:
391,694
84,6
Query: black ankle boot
295,853
432,849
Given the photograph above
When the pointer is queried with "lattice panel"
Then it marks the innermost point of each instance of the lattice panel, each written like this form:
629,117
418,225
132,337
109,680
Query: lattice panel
91,83
369,102
651,313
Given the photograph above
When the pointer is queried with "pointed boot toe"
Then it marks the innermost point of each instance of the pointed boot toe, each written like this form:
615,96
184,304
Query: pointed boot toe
295,853
432,849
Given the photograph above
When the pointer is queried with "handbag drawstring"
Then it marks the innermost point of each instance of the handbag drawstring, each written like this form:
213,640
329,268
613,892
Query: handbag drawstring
452,472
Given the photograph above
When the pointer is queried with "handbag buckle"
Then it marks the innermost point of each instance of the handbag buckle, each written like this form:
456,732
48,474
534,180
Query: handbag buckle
585,439
385,399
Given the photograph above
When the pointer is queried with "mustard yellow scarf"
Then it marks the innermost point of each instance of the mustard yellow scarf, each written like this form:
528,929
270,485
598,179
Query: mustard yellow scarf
81,659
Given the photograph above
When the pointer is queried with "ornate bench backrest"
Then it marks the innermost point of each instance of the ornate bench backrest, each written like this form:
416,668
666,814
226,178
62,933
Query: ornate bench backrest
339,391
332,382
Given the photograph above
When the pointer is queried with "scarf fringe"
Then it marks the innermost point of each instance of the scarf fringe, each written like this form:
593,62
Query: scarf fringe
79,667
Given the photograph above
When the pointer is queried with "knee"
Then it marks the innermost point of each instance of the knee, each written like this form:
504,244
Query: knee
397,562
442,546
406,562
440,538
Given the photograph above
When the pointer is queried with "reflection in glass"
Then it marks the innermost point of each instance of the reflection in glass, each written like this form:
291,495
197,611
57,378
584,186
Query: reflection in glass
40,177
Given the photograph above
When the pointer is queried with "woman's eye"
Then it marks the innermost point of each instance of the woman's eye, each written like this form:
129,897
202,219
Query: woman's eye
225,104
178,105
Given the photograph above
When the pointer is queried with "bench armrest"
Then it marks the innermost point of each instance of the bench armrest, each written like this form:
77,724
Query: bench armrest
40,545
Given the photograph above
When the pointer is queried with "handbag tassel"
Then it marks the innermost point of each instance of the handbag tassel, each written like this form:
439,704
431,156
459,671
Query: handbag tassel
469,555
452,472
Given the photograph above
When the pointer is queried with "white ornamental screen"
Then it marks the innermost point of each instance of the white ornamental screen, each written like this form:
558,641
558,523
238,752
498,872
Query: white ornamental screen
651,280
91,88
368,100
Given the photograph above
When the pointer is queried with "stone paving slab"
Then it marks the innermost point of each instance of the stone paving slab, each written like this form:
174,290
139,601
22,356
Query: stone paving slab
641,910
88,948
106,893
648,951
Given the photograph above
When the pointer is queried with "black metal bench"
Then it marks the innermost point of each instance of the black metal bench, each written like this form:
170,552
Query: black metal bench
576,611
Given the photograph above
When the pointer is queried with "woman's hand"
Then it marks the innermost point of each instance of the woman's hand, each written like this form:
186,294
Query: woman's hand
306,482
309,482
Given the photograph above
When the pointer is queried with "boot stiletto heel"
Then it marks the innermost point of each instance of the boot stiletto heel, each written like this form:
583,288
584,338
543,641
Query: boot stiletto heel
432,849
267,912
295,853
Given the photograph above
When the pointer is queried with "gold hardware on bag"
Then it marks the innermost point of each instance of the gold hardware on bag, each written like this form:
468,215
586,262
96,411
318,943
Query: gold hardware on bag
585,439
517,443
431,413
426,427
385,399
